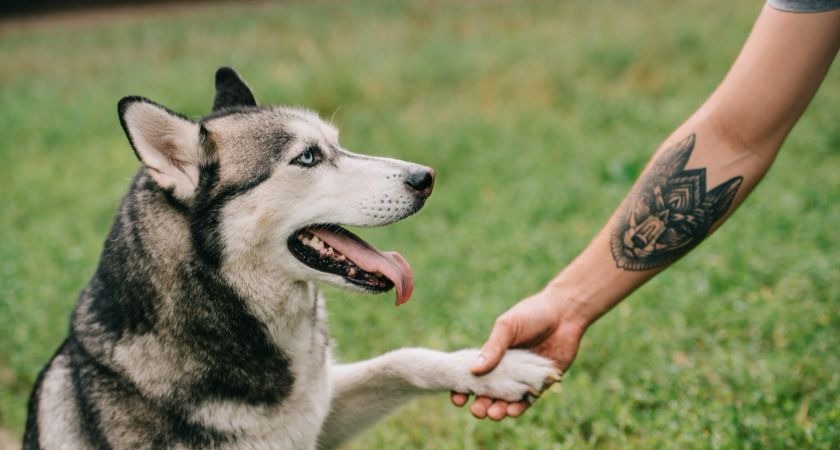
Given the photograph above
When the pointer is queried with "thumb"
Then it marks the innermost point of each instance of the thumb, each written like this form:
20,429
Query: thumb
494,349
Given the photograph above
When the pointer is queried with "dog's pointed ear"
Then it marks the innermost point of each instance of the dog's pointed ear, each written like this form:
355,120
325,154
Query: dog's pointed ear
167,143
231,90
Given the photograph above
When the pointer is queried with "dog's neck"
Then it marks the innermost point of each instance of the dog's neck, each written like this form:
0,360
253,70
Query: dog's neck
247,341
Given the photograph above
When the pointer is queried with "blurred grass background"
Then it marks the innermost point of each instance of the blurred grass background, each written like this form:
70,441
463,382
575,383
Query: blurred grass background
537,115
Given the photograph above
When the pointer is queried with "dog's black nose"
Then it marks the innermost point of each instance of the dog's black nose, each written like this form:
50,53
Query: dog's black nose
421,180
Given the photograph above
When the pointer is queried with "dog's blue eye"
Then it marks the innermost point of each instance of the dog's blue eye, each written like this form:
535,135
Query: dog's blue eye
308,158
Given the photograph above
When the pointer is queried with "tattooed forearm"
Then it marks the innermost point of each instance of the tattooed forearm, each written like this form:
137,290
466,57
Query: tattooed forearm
669,212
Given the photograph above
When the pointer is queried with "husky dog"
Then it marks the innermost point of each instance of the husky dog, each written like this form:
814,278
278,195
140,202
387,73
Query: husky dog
203,326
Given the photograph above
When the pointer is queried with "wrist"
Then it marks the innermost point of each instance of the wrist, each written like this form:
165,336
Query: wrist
572,307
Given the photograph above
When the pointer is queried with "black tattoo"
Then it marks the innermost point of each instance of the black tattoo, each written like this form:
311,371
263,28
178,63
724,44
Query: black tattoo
669,212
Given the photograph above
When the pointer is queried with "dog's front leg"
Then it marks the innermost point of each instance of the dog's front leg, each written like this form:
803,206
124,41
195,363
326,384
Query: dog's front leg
366,391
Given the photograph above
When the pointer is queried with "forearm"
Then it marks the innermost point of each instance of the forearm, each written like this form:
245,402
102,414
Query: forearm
690,188
692,185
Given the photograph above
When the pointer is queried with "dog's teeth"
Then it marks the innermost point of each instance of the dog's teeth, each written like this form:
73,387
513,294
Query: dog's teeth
351,272
341,257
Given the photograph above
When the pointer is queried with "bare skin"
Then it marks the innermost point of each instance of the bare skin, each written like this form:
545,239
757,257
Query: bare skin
737,133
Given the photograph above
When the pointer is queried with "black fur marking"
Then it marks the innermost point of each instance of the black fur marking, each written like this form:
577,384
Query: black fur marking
242,363
207,209
121,292
190,433
231,91
176,204
90,417
99,388
205,223
278,141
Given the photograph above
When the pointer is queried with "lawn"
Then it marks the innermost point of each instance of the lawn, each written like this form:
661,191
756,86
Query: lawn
537,116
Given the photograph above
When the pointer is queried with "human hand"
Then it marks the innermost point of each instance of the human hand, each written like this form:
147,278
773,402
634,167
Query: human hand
544,324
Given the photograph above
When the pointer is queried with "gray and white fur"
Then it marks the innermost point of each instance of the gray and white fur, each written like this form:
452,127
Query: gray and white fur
203,326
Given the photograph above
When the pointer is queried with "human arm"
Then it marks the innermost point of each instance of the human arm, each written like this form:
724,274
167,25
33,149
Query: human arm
694,181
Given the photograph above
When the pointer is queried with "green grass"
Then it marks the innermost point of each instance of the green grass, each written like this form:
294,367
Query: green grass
538,116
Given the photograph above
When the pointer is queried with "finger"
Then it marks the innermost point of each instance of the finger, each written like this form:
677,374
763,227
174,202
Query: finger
458,399
479,406
491,353
516,409
497,410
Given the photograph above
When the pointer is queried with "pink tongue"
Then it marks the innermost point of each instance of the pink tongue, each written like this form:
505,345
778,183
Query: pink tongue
369,259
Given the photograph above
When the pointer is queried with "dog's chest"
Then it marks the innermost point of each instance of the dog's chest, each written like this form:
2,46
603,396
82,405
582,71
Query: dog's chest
295,423
297,420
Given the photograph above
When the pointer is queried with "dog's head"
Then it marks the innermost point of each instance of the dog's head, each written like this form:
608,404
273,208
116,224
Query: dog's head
272,187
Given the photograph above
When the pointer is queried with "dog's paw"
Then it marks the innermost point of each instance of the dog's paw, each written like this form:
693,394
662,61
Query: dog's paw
520,376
